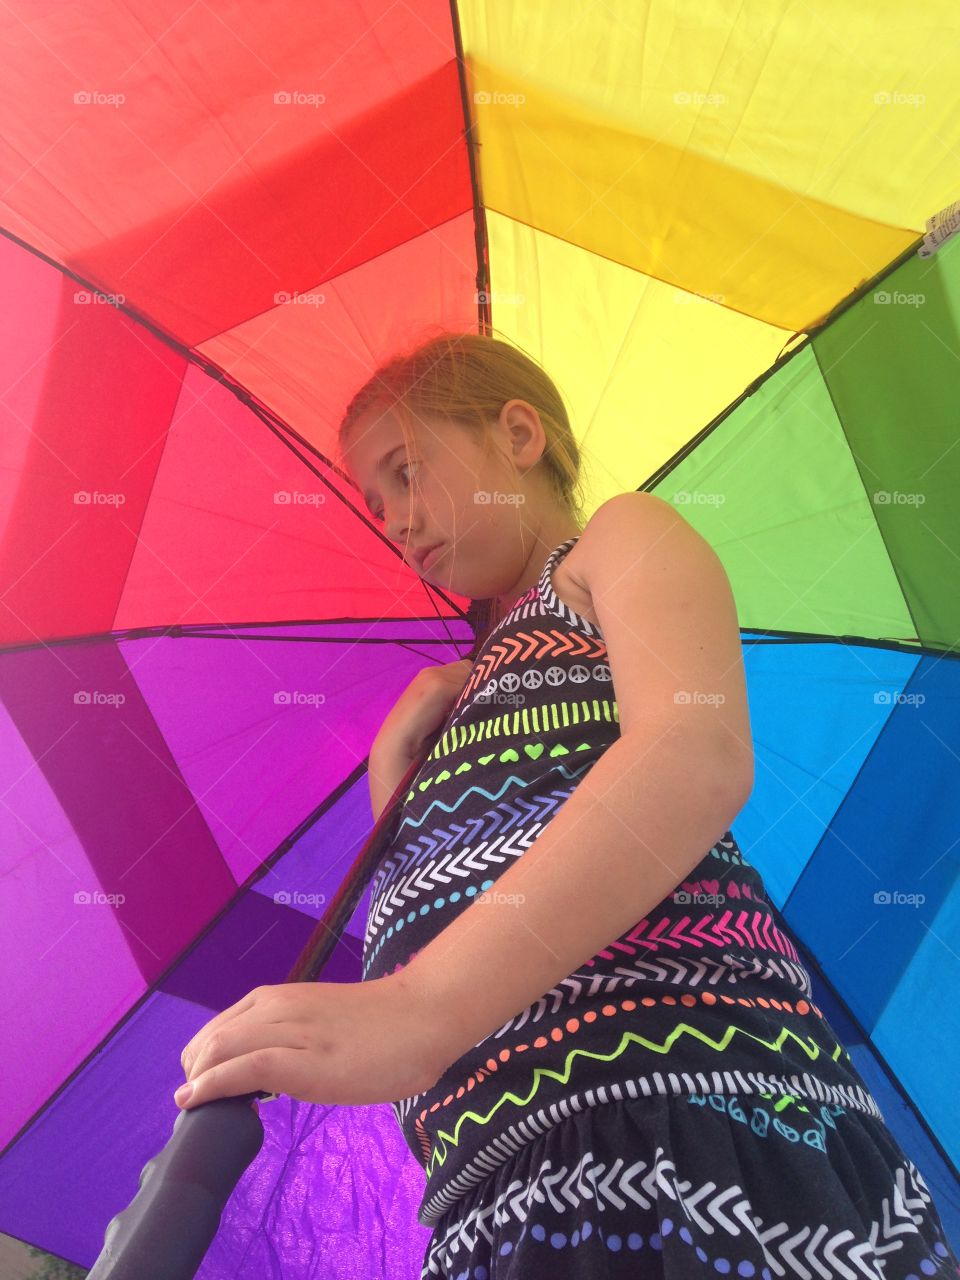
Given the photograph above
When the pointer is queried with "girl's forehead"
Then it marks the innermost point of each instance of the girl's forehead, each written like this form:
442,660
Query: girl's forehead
376,433
369,436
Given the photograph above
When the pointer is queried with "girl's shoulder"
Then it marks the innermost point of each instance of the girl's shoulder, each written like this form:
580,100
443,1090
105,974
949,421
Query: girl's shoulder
570,578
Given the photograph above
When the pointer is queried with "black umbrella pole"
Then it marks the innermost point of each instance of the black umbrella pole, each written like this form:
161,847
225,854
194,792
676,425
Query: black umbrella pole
165,1231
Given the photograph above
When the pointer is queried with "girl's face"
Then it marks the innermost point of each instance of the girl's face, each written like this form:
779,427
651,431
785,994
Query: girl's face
444,491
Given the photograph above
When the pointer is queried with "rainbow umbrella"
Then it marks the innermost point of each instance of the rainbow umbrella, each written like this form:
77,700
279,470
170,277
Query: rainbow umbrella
725,233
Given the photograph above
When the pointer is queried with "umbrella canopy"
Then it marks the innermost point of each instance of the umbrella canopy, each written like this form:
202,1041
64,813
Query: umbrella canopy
217,221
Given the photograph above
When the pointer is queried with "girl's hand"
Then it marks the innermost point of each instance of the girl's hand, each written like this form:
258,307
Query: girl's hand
348,1043
422,708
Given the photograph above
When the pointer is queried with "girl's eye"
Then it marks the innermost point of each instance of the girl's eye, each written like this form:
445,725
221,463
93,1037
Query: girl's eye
398,471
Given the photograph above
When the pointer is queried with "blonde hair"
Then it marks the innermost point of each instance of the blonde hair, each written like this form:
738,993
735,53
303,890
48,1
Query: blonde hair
467,378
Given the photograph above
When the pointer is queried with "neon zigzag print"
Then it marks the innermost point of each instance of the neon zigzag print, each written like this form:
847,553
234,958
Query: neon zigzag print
506,831
803,1007
512,780
518,814
498,813
438,1156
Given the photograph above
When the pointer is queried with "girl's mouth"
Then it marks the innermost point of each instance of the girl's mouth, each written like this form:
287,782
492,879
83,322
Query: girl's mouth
430,557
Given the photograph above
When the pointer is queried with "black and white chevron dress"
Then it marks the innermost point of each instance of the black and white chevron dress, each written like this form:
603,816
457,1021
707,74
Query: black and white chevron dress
678,1105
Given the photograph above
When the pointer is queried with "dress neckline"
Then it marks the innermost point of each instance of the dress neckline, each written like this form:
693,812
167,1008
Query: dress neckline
552,602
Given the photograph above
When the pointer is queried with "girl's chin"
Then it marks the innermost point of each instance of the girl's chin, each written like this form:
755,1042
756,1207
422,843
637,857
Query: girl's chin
437,571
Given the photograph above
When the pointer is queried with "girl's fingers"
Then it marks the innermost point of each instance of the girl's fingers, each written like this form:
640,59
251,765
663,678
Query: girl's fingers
261,1069
193,1045
239,1037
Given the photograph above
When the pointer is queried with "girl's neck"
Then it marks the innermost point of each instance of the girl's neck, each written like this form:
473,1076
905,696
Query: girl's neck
548,539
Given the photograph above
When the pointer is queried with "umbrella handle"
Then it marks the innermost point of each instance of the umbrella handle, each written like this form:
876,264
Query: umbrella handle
167,1228
165,1231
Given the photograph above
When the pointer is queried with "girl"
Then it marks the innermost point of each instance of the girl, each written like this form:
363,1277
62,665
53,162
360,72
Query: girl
671,1102
600,1045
